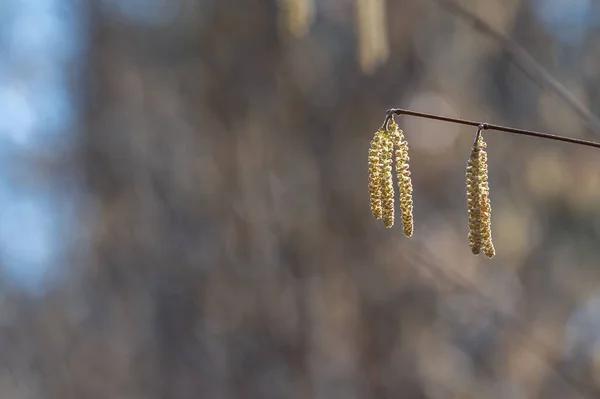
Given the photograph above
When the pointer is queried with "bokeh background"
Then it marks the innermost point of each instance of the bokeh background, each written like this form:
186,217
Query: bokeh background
184,207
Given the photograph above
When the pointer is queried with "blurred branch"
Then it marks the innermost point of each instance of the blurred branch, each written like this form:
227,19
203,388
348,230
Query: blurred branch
487,126
525,62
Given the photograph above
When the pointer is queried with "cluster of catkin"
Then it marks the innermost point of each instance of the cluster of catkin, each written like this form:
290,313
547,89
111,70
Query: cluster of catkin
478,201
390,138
381,184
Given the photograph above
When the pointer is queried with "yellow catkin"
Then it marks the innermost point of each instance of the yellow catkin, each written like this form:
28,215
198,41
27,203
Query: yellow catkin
485,205
387,182
375,187
404,180
473,199
478,202
373,44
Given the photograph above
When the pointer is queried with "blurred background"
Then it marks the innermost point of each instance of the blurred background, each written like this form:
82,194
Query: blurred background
184,208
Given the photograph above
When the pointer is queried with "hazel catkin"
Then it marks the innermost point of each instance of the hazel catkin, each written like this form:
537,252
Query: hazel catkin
473,195
387,182
485,205
478,202
404,179
375,174
381,183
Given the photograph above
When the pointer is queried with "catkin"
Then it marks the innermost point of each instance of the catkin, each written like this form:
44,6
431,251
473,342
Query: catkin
381,182
404,180
473,199
478,202
485,205
375,187
387,182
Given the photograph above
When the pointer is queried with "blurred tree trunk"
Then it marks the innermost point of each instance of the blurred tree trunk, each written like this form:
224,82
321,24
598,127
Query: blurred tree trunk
223,246
176,236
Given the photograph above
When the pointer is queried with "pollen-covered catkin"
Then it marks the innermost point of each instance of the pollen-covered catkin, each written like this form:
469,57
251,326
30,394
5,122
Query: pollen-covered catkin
485,205
478,201
473,199
375,187
404,179
387,182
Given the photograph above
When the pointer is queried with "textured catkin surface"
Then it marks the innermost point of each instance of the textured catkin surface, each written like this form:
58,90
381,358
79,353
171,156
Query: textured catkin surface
404,180
375,183
386,146
387,180
478,201
485,204
474,199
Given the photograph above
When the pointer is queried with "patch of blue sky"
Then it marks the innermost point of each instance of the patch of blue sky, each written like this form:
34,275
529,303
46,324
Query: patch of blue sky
42,31
37,114
54,108
568,21
28,239
38,39
18,119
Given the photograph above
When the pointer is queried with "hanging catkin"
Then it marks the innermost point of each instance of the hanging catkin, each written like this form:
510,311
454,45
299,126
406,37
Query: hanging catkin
381,184
387,182
375,187
404,180
478,202
485,206
473,198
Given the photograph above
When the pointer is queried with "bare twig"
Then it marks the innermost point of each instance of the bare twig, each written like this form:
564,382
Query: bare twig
487,126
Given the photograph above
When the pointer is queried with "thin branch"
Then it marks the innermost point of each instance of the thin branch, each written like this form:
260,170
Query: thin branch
525,62
487,126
